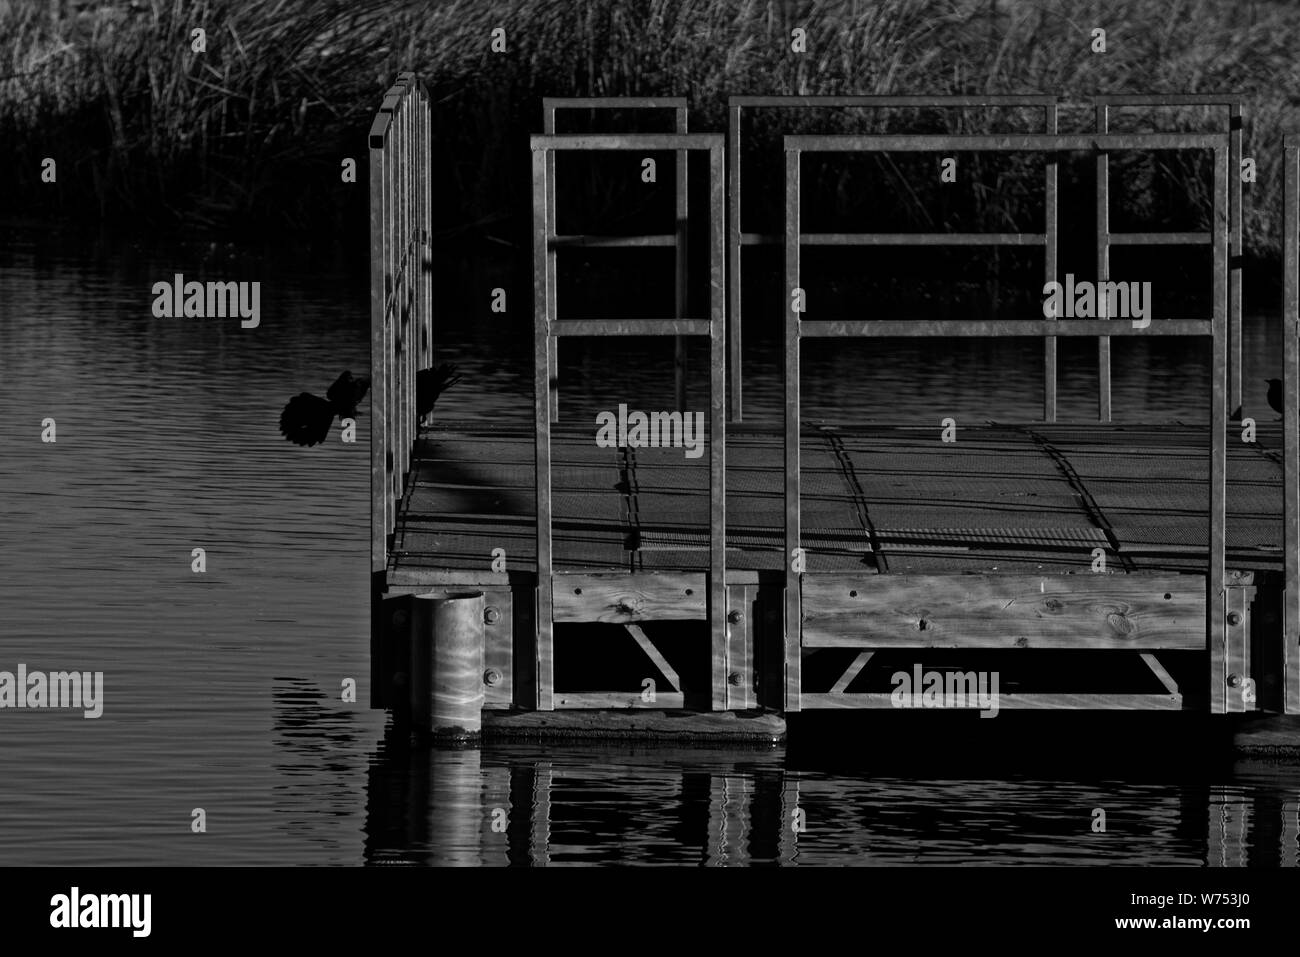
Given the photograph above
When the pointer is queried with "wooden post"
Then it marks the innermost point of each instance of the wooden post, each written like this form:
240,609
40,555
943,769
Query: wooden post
447,663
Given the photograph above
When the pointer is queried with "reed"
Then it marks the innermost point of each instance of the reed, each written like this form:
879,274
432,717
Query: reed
252,130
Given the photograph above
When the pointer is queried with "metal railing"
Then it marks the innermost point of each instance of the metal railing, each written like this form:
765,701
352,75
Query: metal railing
1051,106
1234,103
547,328
1291,420
797,329
677,239
401,302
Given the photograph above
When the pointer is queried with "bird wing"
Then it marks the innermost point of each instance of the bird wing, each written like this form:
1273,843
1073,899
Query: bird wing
347,391
306,419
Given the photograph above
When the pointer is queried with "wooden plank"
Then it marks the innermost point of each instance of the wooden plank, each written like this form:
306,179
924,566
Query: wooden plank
1005,611
1022,702
1242,693
740,647
619,699
582,723
622,598
654,655
717,599
1159,671
851,672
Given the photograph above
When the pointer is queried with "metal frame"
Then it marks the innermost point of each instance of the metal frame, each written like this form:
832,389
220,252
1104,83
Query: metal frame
1215,328
401,297
1235,104
547,328
737,238
1291,420
678,239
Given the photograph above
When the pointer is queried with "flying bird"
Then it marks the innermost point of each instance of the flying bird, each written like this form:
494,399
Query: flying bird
307,418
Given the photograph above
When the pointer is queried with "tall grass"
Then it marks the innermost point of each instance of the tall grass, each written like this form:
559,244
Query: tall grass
252,131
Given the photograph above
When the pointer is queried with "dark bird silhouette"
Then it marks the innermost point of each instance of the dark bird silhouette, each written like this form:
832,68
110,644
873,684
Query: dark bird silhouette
307,418
1275,395
431,383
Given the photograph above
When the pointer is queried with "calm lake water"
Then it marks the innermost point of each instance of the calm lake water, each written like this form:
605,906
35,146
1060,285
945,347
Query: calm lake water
222,690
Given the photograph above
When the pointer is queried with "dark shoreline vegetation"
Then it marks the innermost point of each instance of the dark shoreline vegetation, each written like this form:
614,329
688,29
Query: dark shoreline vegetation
247,138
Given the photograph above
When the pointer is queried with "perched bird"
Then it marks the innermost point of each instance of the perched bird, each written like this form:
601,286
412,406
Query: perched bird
431,383
1275,394
307,418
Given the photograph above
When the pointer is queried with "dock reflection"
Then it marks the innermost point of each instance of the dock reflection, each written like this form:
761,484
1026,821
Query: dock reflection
537,806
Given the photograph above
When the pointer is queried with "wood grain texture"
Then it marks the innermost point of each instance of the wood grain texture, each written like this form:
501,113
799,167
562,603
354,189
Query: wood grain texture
1005,611
619,599
1007,702
619,699
660,723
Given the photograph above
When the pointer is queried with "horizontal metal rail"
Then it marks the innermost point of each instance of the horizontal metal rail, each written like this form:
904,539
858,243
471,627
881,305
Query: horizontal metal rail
999,328
1009,142
631,327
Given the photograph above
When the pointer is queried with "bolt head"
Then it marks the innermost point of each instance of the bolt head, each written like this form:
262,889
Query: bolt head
491,677
491,615
733,678
1234,618
735,617
1234,681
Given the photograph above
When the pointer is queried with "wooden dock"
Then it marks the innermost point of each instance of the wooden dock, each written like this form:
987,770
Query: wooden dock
803,565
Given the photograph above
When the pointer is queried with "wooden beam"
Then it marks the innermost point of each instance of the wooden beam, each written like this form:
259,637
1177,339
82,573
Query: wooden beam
1005,611
619,699
741,631
1159,671
852,672
621,598
654,655
1023,702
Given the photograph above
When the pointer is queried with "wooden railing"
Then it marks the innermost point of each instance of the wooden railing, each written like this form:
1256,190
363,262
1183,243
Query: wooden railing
401,302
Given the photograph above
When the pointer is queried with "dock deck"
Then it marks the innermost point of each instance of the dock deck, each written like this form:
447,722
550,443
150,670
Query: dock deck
876,500
798,564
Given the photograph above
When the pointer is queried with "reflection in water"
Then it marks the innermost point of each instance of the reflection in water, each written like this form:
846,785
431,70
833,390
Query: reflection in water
527,805
222,690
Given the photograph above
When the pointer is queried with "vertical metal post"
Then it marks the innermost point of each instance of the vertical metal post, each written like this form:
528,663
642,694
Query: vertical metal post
378,356
1050,202
1218,638
542,343
717,425
793,606
391,217
1103,265
735,381
552,358
1236,119
680,260
1291,422
426,153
